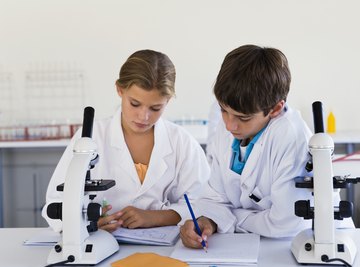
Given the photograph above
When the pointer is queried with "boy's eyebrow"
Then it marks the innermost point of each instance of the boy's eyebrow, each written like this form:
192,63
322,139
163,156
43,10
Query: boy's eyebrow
243,116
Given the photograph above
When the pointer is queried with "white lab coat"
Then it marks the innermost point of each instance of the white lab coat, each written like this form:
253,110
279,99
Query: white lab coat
178,165
214,119
279,155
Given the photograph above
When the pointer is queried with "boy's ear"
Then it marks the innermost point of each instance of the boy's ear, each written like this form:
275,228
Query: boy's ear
276,110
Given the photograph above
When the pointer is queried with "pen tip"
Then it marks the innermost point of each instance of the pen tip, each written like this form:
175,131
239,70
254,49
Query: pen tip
205,249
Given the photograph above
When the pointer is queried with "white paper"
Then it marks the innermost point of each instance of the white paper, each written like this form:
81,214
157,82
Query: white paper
224,249
160,236
47,237
164,236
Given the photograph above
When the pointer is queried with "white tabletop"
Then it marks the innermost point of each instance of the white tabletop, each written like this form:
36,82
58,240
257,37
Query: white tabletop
273,252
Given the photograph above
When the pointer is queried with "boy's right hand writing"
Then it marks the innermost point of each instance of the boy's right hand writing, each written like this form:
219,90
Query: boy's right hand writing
109,222
188,234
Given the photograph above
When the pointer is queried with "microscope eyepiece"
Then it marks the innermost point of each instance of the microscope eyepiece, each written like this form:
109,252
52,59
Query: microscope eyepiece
318,117
88,121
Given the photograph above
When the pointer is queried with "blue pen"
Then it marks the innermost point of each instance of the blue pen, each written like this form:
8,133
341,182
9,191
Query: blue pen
197,228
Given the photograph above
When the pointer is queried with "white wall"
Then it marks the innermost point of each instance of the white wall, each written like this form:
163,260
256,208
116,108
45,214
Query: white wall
320,38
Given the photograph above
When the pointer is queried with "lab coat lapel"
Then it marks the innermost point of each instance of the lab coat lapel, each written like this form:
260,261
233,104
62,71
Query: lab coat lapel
123,158
159,161
248,177
252,166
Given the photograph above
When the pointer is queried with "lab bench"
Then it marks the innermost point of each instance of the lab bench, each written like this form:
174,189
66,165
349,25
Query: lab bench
25,171
350,139
272,251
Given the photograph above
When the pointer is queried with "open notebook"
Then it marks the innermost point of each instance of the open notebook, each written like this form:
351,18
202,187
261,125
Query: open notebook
224,249
160,236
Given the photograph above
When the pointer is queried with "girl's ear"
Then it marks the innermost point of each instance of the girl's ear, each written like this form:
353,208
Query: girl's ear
276,110
119,90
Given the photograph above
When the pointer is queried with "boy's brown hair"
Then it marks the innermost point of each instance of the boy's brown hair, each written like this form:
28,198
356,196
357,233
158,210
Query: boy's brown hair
253,79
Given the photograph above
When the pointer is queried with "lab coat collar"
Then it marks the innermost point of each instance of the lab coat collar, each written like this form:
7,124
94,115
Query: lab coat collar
246,179
158,162
116,134
251,164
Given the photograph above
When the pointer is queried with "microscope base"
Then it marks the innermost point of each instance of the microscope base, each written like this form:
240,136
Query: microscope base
101,243
305,250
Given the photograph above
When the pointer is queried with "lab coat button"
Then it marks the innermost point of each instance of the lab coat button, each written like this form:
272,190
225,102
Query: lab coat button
244,186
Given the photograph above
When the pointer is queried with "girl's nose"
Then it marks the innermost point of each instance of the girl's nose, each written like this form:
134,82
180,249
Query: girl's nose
144,114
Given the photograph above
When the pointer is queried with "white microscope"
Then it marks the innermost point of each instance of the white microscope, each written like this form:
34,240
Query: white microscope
323,244
82,243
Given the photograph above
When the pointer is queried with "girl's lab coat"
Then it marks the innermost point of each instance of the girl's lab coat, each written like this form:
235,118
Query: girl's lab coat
279,155
178,165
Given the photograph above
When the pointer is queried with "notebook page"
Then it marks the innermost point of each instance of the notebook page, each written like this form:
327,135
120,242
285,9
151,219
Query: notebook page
165,235
222,249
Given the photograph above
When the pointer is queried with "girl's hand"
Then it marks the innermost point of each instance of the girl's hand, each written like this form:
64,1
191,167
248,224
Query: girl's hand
132,217
109,222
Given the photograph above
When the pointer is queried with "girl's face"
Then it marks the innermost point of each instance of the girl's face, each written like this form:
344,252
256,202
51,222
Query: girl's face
140,109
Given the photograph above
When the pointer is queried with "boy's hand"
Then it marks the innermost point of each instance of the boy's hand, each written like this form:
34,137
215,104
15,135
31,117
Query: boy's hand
109,222
189,236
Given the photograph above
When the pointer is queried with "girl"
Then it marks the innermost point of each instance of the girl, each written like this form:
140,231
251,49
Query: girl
153,161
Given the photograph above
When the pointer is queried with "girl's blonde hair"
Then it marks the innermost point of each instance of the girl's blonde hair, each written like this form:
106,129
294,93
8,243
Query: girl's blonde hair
149,70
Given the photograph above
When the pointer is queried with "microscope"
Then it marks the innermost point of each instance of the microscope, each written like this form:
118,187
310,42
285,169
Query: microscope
82,243
323,244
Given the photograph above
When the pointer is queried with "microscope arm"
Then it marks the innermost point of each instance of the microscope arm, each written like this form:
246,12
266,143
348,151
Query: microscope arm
74,219
321,146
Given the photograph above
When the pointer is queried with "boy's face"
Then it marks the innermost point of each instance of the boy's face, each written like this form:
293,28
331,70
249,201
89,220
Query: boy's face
243,126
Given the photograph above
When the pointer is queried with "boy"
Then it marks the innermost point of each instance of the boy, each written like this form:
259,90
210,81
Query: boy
259,150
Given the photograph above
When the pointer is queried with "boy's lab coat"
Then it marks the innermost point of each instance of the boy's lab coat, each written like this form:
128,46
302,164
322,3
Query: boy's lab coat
279,155
178,165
